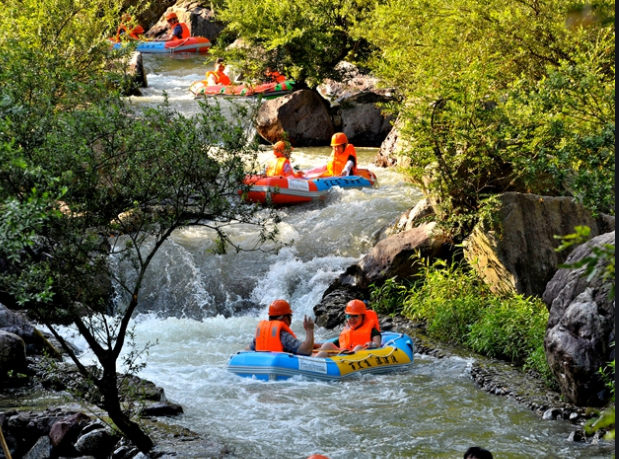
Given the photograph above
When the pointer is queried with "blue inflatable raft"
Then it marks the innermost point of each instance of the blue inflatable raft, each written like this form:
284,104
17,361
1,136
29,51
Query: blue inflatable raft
396,353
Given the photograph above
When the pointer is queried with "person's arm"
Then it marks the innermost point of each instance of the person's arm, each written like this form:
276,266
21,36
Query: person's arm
375,341
307,346
251,346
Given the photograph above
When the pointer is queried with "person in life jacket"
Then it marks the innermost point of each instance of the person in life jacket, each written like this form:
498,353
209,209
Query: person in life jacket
279,164
343,159
273,76
178,30
362,330
218,76
275,334
126,31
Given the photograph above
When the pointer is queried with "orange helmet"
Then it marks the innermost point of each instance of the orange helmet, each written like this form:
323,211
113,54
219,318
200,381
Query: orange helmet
355,307
317,456
339,138
281,148
171,15
279,308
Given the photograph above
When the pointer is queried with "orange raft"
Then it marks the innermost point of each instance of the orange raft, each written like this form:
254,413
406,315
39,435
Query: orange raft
266,90
297,190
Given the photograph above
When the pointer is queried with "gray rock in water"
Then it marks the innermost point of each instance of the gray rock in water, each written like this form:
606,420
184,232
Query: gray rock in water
162,409
301,115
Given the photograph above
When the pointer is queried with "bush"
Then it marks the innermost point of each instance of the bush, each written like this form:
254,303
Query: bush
509,328
459,308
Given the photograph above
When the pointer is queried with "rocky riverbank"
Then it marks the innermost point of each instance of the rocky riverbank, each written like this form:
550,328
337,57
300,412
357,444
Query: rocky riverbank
502,379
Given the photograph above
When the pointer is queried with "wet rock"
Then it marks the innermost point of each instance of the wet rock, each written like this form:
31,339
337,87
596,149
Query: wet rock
329,312
302,116
162,409
65,432
137,74
550,414
393,256
416,216
125,452
581,328
577,436
98,443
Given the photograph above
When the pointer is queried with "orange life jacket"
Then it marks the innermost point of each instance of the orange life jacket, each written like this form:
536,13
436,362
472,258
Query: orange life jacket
220,77
186,33
267,335
133,33
277,77
336,163
350,338
275,166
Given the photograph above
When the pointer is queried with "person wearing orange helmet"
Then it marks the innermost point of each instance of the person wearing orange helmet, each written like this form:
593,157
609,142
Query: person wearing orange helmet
362,330
178,30
343,159
275,334
279,164
317,456
217,75
273,76
128,30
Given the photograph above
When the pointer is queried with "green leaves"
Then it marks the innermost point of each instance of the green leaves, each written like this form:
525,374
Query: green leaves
458,307
501,96
302,39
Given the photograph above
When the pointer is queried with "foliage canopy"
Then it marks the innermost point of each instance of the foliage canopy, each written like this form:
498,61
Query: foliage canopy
88,182
502,95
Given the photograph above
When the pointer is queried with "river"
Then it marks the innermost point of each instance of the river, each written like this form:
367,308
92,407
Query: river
200,308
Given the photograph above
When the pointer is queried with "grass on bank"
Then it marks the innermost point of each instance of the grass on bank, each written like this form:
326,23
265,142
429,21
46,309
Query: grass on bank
459,308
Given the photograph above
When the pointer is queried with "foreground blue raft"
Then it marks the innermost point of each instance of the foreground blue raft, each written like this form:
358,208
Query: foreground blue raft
396,353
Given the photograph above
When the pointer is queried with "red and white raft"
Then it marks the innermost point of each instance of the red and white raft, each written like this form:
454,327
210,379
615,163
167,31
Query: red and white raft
297,190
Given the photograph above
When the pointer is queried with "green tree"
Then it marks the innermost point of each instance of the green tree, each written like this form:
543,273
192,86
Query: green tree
303,39
502,94
87,183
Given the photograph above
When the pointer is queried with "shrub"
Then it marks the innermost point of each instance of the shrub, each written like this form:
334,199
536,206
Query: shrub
459,308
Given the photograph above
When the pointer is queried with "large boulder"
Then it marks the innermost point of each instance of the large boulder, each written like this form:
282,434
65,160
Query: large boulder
362,120
394,257
387,156
521,256
302,116
581,327
201,21
12,353
355,103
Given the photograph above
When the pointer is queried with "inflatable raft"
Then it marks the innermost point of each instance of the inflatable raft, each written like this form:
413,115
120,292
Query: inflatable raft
396,353
297,190
186,45
266,90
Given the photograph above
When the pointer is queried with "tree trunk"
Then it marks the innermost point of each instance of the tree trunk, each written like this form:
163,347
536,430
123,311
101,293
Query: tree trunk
111,401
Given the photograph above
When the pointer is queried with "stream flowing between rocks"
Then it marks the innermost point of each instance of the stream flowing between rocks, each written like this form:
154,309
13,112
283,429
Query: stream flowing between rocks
200,308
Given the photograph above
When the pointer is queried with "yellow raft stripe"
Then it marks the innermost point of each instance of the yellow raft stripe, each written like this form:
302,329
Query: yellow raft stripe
371,358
